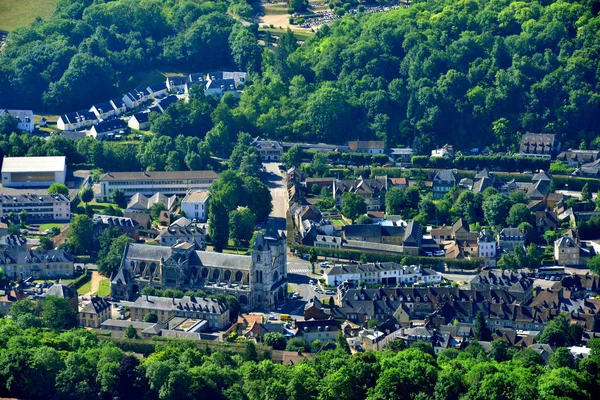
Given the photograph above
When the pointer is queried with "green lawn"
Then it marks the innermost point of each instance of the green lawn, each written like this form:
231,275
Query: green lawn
43,227
103,288
277,32
99,208
85,288
338,222
14,14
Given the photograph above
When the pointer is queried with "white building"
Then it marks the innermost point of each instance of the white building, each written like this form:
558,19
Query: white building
195,205
76,120
175,83
270,150
166,182
386,273
33,171
486,245
44,207
105,129
119,106
103,110
157,90
136,97
139,121
24,119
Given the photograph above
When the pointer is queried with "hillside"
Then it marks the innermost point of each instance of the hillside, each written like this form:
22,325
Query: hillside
17,13
472,73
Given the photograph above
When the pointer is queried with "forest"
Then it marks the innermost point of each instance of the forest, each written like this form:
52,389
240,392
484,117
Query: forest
39,362
471,73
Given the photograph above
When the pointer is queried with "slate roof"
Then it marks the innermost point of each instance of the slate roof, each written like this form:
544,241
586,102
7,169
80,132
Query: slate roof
62,291
368,230
511,234
186,302
539,143
95,305
114,221
104,107
14,256
157,175
444,176
141,117
167,101
109,126
157,87
140,202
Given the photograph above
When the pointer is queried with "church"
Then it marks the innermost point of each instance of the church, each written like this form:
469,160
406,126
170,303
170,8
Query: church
257,281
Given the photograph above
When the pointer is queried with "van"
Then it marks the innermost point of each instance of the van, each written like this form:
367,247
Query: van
285,317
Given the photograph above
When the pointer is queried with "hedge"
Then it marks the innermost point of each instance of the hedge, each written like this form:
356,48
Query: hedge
513,163
82,280
355,255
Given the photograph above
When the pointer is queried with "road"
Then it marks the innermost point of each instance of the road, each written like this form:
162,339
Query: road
275,180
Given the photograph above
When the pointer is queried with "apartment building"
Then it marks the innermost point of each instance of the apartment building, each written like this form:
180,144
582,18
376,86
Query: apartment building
44,207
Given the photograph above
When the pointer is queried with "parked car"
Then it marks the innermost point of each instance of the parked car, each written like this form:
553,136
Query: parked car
439,253
330,292
324,264
428,253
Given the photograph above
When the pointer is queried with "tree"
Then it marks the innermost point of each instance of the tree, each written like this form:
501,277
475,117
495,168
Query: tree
241,225
8,123
482,332
372,324
130,332
396,345
495,209
250,353
556,333
342,343
353,205
109,263
312,257
529,231
562,358
275,339
257,197
594,264
518,214
293,157
58,314
58,188
500,350
298,345
80,234
586,194
23,218
156,210
316,345
150,317
86,195
218,226
118,197
46,243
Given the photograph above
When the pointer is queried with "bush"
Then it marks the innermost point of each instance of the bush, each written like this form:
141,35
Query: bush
300,21
361,8
289,11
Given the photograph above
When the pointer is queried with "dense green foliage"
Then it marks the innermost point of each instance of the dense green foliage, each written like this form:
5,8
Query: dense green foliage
471,73
90,50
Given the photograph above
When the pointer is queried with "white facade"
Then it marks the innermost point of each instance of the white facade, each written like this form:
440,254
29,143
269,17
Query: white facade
24,119
195,205
39,207
168,183
33,171
486,245
381,273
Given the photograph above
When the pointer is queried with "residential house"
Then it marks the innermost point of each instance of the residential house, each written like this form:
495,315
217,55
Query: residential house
401,183
567,251
107,129
218,87
136,97
384,273
145,330
371,190
211,310
516,284
509,238
486,244
37,264
296,176
270,150
443,182
483,180
157,90
577,158
195,204
461,231
402,155
445,151
175,234
442,234
198,79
367,146
77,120
139,121
119,106
322,330
175,83
140,203
126,226
546,220
321,182
64,292
166,102
375,233
103,110
24,119
43,122
147,183
545,145
93,313
413,238
10,297
328,242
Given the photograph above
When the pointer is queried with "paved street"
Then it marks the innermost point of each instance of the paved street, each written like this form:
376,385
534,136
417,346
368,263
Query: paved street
275,180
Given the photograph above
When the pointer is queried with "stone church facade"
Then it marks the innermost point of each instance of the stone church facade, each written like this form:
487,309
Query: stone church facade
257,281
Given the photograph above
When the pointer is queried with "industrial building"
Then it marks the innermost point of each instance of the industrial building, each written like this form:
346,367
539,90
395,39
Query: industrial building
18,172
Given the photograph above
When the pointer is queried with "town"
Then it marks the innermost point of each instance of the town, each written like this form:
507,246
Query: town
301,200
